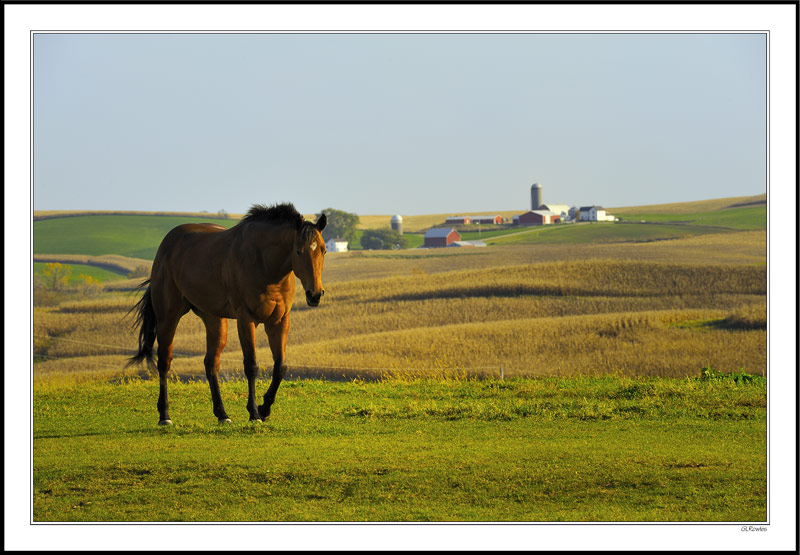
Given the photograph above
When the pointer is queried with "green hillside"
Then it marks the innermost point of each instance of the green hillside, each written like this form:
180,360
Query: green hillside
692,207
747,217
604,233
133,236
138,235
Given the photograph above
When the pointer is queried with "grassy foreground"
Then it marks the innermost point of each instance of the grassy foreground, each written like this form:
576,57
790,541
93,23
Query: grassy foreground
576,449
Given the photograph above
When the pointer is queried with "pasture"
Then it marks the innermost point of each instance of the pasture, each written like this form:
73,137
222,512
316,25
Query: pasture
532,380
578,449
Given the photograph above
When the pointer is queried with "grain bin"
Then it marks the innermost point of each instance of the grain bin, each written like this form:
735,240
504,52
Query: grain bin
397,223
536,196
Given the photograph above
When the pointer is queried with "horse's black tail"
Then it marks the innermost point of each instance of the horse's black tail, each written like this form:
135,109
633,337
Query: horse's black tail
145,320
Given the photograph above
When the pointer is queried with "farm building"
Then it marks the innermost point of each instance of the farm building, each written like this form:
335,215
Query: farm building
487,219
536,196
397,223
336,245
537,217
595,214
467,244
441,237
574,212
560,209
455,220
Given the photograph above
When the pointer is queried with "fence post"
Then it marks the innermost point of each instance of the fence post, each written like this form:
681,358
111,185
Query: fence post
501,374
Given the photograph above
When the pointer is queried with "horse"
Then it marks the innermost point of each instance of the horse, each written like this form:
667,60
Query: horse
246,272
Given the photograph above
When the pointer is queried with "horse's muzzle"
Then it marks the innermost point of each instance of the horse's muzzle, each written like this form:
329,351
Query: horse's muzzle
313,299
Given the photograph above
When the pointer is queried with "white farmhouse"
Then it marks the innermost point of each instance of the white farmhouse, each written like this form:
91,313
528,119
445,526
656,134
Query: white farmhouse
595,214
336,245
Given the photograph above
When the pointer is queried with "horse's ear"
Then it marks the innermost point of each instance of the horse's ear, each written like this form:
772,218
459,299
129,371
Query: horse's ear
321,221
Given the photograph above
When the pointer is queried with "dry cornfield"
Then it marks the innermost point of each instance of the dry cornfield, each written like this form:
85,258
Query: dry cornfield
665,309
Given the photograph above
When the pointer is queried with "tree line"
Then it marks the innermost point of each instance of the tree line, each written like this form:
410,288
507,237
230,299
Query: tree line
344,225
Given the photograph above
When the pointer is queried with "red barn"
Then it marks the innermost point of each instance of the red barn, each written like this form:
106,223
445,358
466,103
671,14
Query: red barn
458,220
487,220
537,217
441,236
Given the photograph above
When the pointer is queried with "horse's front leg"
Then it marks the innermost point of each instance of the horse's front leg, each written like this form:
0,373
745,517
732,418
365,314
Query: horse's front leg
277,334
216,337
247,337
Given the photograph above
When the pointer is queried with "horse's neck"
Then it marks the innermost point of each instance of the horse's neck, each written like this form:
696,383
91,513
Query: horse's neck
275,244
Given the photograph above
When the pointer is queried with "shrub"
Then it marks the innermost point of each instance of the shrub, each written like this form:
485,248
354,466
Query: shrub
142,271
382,239
90,285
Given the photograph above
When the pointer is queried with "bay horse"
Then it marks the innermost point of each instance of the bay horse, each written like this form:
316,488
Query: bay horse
246,272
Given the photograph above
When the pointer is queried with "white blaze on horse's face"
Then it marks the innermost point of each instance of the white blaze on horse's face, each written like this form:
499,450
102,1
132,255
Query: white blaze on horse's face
308,260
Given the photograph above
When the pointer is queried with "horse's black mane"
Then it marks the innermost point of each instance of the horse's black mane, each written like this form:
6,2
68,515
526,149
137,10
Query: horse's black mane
285,212
279,213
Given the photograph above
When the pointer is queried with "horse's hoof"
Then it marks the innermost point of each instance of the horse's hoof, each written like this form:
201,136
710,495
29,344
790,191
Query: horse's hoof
224,420
263,411
165,423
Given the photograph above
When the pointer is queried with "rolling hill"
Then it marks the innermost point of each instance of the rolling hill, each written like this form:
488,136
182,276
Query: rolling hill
134,237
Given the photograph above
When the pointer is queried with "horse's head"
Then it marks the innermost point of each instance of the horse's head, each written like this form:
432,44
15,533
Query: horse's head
308,258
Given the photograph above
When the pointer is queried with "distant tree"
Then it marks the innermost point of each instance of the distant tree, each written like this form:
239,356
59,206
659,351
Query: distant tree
341,225
56,275
383,239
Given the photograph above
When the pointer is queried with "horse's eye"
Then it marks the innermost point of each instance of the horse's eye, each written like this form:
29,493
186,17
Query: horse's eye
298,251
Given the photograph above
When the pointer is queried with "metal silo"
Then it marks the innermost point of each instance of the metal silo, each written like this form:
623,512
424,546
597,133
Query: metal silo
397,223
536,196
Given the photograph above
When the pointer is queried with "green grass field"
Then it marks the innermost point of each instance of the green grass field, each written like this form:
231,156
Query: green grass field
578,449
747,217
138,236
487,232
133,236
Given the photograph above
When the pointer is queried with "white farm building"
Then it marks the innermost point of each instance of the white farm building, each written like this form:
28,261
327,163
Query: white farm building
595,214
560,209
336,245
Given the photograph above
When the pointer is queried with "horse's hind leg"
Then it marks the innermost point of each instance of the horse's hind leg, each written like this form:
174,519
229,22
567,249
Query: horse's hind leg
277,334
216,337
165,333
169,308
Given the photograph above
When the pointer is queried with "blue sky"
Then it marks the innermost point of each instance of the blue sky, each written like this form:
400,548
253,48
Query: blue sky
395,123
